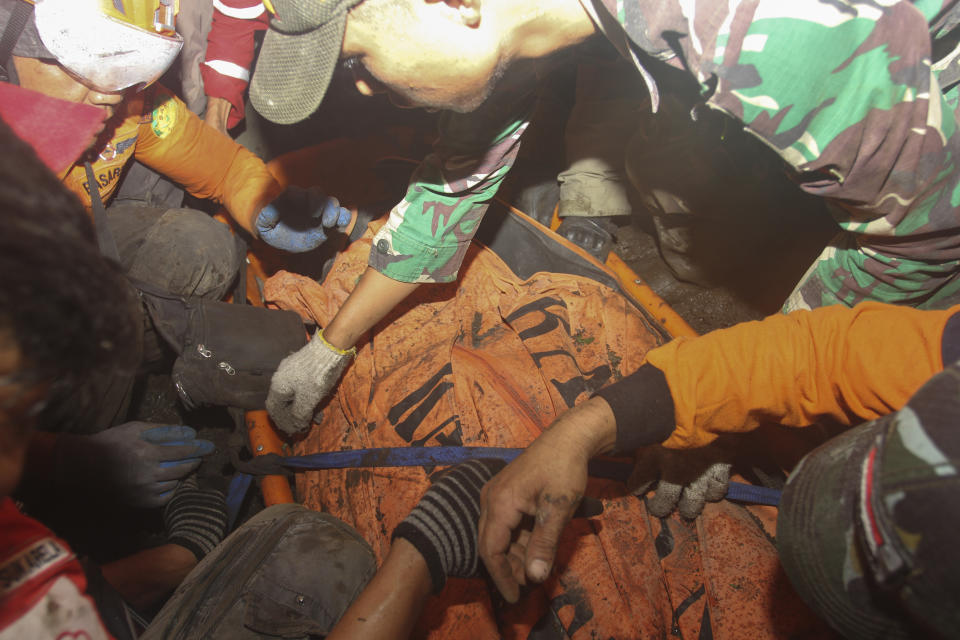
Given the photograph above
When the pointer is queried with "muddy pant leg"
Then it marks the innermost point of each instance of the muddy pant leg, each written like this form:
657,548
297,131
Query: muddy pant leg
182,251
604,115
287,572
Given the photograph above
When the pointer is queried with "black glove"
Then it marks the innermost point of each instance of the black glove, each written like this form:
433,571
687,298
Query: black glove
196,518
443,525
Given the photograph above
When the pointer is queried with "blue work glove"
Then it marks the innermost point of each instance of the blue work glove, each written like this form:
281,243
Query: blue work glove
297,219
137,463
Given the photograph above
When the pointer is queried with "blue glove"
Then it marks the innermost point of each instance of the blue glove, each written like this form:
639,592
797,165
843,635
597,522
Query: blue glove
296,220
137,463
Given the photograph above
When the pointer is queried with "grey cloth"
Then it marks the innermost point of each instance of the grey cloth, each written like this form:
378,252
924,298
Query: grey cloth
183,251
142,186
28,45
288,572
193,23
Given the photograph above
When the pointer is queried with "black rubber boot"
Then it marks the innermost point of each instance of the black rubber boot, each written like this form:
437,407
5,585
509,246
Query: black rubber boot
593,235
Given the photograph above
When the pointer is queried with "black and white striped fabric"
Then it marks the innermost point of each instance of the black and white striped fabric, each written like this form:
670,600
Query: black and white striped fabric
443,526
196,518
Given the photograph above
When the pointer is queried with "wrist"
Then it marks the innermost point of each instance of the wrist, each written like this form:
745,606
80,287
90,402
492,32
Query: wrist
642,408
326,344
337,335
590,426
405,560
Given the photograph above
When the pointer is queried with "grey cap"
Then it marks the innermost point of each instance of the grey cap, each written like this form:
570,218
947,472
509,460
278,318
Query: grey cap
29,44
298,57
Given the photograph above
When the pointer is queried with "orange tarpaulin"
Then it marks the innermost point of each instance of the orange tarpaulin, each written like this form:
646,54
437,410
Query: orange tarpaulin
490,361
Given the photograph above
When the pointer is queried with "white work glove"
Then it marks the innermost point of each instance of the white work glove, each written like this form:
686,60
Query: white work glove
685,478
302,381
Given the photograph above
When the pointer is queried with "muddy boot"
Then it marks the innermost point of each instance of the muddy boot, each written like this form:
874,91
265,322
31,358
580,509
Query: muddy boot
676,238
593,235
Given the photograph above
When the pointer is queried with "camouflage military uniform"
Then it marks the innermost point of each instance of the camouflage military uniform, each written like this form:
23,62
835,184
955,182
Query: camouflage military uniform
427,234
842,91
862,122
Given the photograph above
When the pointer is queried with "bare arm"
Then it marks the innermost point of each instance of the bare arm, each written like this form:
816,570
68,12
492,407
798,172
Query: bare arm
547,482
375,296
389,606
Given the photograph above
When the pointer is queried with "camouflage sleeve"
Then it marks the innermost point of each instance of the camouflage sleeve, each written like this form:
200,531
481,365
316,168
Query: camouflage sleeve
427,234
844,92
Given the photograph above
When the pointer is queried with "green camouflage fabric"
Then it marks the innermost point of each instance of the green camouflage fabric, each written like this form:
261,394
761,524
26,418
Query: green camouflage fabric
427,234
867,523
844,92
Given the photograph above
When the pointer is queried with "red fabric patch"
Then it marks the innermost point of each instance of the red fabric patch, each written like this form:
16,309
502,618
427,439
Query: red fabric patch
868,499
59,131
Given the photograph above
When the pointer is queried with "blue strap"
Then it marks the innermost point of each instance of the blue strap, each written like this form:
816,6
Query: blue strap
398,457
448,456
740,492
239,485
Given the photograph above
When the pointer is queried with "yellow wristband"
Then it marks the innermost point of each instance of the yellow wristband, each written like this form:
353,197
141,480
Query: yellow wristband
352,351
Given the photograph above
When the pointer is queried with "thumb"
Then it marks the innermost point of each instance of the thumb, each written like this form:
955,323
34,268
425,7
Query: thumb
330,212
553,513
346,215
268,217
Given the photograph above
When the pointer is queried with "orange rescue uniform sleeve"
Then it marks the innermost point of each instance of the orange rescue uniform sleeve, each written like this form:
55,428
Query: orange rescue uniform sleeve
844,364
177,144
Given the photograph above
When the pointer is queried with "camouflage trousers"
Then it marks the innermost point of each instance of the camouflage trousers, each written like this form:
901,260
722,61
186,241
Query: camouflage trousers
846,273
708,183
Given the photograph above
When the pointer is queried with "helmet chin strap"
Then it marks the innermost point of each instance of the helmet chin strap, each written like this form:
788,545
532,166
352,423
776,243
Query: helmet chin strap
21,14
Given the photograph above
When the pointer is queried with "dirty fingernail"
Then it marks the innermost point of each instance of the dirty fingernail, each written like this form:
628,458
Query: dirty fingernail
538,570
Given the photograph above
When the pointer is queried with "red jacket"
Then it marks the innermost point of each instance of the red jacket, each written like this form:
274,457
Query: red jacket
230,48
42,585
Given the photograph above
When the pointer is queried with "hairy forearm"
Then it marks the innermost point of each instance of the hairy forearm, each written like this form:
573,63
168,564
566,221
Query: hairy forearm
373,298
390,604
217,114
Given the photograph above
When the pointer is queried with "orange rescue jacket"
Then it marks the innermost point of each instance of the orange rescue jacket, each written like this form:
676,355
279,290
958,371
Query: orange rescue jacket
847,365
156,128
